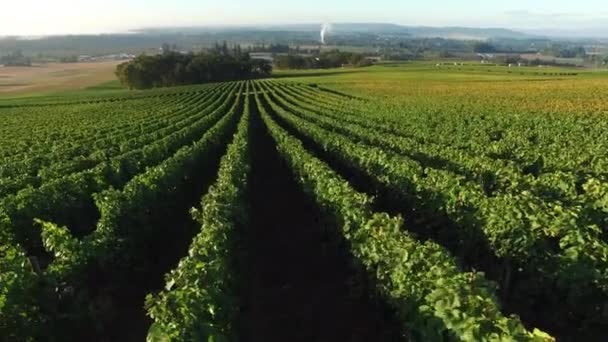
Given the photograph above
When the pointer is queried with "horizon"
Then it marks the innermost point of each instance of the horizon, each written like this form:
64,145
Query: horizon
70,17
540,32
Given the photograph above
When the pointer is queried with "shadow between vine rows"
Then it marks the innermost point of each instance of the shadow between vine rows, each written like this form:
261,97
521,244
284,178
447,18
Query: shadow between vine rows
300,283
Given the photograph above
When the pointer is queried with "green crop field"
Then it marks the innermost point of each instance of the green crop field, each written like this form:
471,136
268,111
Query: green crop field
422,202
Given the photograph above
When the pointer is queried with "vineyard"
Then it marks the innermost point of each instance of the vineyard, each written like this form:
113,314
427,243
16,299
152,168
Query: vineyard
280,211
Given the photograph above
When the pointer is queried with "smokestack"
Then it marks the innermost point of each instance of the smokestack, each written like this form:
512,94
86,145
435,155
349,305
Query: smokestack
325,28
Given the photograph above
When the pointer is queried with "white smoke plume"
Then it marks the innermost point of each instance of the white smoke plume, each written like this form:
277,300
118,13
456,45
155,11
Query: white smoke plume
325,28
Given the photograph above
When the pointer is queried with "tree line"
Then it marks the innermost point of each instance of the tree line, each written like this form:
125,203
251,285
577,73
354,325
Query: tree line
172,68
329,59
15,59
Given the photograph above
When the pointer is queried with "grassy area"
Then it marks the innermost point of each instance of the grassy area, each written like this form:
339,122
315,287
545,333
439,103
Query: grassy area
109,85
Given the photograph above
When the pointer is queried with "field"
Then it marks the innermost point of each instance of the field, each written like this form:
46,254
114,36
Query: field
392,203
53,77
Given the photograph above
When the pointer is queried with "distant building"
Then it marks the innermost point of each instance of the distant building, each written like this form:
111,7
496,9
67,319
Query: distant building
266,56
374,58
486,56
114,57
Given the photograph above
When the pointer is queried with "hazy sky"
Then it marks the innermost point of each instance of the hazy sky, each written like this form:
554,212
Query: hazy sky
34,17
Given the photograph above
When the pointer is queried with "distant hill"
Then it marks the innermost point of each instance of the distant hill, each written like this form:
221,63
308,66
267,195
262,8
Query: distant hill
597,33
459,33
465,33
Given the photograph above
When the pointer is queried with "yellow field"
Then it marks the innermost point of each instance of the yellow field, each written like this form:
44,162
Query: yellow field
53,77
470,88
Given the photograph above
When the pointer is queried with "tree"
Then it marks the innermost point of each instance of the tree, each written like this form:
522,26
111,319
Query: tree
172,68
482,47
329,59
262,68
16,59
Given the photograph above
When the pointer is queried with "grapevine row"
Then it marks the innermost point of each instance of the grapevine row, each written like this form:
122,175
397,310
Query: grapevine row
420,280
